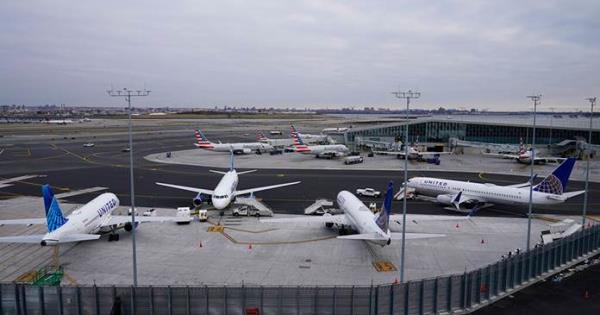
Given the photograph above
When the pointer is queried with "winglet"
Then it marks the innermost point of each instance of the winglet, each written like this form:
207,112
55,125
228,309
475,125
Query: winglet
456,200
54,215
383,219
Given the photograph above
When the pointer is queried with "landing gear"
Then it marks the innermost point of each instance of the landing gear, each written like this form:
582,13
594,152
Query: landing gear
113,237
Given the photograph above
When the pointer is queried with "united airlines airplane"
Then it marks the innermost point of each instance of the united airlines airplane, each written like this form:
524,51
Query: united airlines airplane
237,148
552,190
368,226
83,224
226,189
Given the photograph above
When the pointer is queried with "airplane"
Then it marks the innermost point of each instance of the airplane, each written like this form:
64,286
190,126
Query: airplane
289,141
476,195
326,150
524,156
237,148
413,153
83,224
226,190
369,227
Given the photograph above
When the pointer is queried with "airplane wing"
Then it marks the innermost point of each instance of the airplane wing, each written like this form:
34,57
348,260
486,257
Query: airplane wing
122,219
572,194
37,238
23,221
432,153
217,172
504,156
414,236
253,190
416,218
336,218
395,236
550,159
192,189
390,152
31,239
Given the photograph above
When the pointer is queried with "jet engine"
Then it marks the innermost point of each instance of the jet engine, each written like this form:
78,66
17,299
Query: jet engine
242,151
128,226
49,242
444,199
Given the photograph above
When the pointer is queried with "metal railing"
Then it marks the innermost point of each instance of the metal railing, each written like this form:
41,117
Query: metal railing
460,293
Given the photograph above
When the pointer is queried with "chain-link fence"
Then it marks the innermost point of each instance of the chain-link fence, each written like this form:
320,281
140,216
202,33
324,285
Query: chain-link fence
460,293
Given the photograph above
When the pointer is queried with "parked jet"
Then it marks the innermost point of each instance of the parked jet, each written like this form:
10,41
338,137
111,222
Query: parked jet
524,156
286,142
476,195
237,148
326,150
82,224
226,190
369,227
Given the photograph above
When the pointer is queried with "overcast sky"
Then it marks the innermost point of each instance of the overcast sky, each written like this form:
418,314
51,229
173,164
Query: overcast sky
301,53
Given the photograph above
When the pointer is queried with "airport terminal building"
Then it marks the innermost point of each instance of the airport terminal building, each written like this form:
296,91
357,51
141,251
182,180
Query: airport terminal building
441,131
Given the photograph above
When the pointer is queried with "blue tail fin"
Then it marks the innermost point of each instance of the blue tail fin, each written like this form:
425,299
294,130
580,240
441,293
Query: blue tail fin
556,183
54,216
383,219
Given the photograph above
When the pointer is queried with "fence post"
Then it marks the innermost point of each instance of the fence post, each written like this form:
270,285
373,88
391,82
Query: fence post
449,296
78,299
132,299
316,297
421,298
169,301
40,299
406,296
96,299
60,301
334,298
151,298
391,300
187,300
435,294
207,299
463,287
370,300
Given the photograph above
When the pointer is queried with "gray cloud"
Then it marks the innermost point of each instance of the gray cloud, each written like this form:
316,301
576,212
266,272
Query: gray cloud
303,53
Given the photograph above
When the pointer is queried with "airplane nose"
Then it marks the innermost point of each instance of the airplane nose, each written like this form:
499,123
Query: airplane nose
219,204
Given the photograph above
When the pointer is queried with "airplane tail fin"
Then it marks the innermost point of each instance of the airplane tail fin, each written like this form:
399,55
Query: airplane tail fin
383,219
201,140
556,183
298,143
261,137
54,215
521,146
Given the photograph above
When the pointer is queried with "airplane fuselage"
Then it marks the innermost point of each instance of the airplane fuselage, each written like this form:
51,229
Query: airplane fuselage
484,192
322,149
224,193
227,147
86,220
361,218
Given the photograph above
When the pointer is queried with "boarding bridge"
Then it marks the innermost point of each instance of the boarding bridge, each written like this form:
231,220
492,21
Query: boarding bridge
263,209
410,193
318,207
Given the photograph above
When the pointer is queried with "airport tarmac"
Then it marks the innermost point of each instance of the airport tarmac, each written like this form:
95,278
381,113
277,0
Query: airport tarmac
251,252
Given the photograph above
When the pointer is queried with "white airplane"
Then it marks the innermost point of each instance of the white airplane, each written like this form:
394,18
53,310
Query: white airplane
326,150
369,227
524,156
226,189
413,153
83,224
237,148
476,195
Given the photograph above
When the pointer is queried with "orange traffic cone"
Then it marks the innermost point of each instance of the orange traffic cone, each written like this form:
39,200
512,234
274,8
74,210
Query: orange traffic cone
457,226
249,246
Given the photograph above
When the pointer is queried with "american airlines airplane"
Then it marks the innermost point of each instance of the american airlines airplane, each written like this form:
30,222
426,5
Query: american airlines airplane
524,156
226,189
413,153
237,148
326,150
476,195
83,224
368,226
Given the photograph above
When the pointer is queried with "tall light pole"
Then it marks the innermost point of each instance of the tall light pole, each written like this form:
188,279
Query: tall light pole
551,126
592,101
128,94
407,96
536,101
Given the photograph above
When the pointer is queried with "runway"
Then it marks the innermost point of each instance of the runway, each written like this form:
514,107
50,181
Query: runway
70,166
